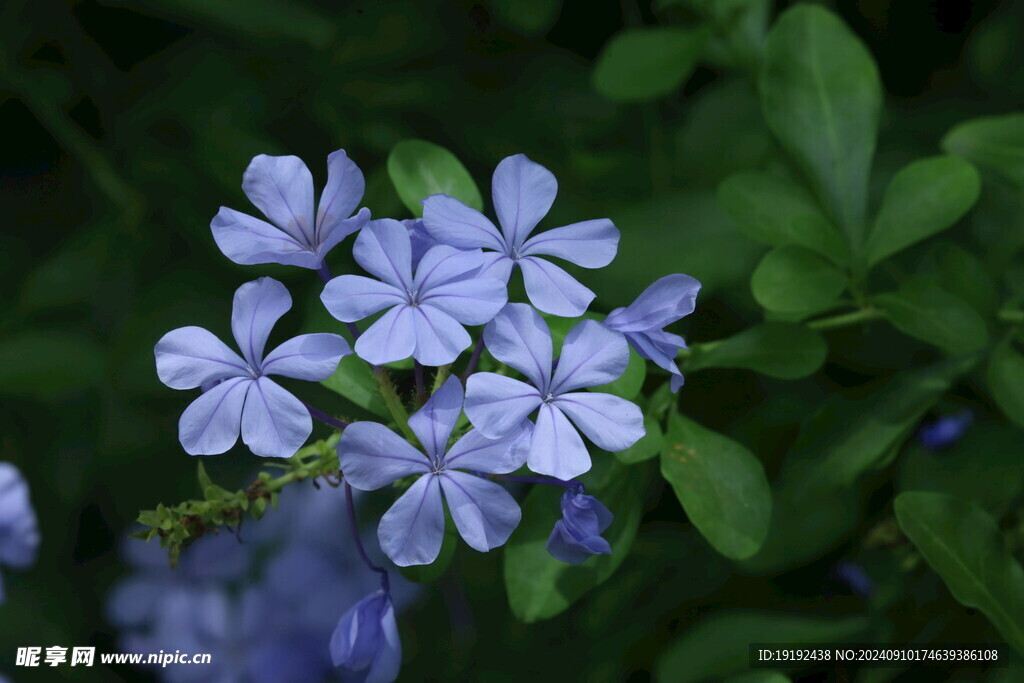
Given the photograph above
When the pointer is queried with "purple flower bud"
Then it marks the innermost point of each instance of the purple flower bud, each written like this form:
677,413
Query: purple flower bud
577,535
19,533
854,576
365,644
945,431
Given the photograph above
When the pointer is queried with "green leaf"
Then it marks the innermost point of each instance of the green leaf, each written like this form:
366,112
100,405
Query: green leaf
821,96
49,365
528,17
646,448
794,279
632,380
355,381
924,198
718,645
538,585
721,485
992,142
782,350
1006,380
641,64
962,274
419,169
923,310
759,677
963,544
775,211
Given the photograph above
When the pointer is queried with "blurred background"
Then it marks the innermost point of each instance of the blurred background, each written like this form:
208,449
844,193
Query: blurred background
127,124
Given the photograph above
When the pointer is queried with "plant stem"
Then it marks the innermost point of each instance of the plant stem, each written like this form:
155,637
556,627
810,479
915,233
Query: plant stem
474,359
354,526
846,319
421,387
440,377
394,403
1010,315
318,414
551,481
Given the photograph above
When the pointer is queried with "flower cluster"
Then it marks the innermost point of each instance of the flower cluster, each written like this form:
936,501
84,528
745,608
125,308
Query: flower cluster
426,281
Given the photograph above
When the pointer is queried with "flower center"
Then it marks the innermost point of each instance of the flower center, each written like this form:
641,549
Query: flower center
548,397
414,296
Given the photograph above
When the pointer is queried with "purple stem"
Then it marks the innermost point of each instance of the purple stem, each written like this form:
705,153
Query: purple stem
359,543
325,274
571,484
324,417
474,359
421,389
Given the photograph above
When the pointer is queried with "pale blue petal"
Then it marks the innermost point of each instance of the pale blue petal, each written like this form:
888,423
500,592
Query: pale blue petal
391,338
439,337
421,240
373,456
553,290
451,222
383,249
257,307
340,197
433,423
484,513
251,241
19,527
192,356
275,424
350,298
209,425
412,530
613,423
661,348
282,188
473,302
591,244
519,338
343,229
497,265
497,405
592,355
523,192
312,357
473,451
365,644
442,264
665,301
556,448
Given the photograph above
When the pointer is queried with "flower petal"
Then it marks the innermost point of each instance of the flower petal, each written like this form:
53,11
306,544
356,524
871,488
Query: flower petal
553,290
474,451
660,347
484,513
556,448
250,241
312,357
343,229
496,265
257,307
209,426
412,530
350,298
434,422
591,244
391,338
341,195
473,302
383,249
523,192
282,188
519,338
373,456
275,424
191,356
612,423
592,355
439,337
442,264
421,240
497,405
665,301
451,222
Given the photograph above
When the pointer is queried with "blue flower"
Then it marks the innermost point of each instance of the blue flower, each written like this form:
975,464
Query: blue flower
662,303
19,531
854,576
365,645
273,423
411,532
282,188
523,192
419,238
592,355
427,311
577,535
945,431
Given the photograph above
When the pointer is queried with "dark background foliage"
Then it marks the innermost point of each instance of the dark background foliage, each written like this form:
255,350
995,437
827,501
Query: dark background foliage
127,124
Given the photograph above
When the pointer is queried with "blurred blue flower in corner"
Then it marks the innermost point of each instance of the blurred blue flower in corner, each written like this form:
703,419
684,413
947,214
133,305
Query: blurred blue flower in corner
19,530
945,431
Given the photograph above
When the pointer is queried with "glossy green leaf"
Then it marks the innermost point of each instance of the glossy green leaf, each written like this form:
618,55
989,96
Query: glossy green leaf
923,310
923,198
1006,380
641,64
962,274
355,381
991,142
419,169
718,645
822,96
964,545
794,279
776,211
646,448
782,350
539,586
721,485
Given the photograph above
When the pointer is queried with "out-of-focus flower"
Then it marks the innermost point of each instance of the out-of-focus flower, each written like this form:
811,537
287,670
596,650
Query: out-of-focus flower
365,645
19,530
945,431
577,535
854,576
272,421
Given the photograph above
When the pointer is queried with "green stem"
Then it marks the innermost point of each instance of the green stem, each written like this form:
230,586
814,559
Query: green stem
846,319
394,403
440,376
1010,315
